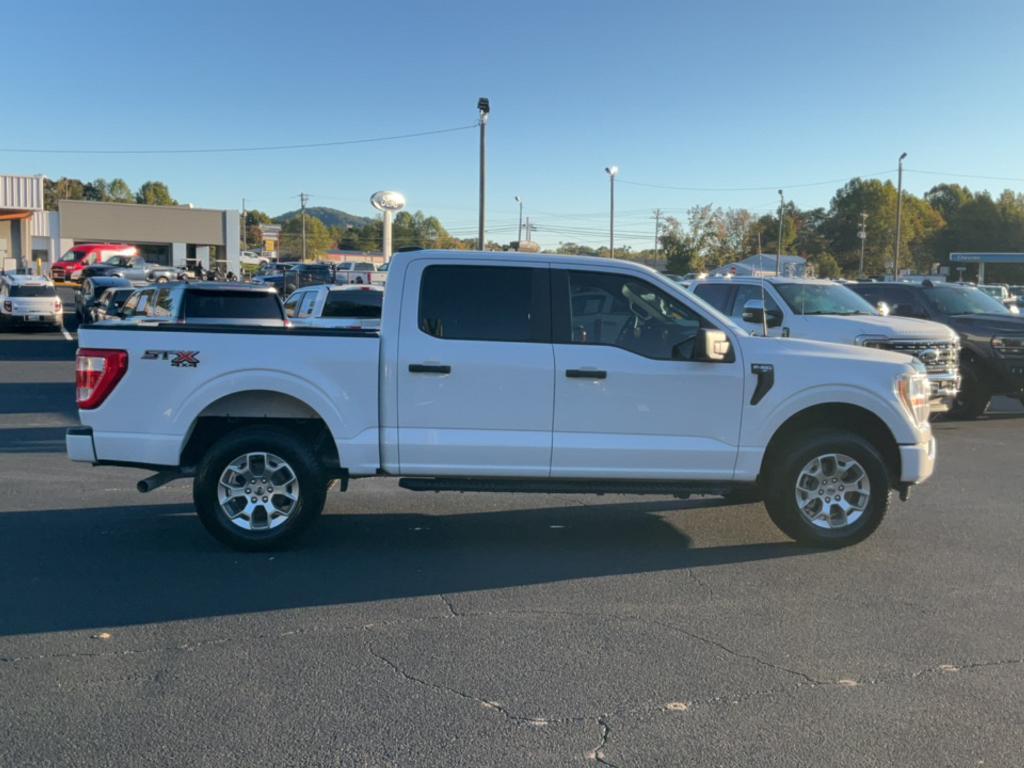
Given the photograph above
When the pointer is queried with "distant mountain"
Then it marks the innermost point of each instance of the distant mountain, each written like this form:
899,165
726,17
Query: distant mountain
331,217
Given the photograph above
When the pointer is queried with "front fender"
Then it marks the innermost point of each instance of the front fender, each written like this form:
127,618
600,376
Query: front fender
759,431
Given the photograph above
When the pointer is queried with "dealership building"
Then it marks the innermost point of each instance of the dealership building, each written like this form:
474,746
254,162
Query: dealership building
32,237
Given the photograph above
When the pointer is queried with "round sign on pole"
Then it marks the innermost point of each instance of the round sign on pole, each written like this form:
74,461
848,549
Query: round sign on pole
387,201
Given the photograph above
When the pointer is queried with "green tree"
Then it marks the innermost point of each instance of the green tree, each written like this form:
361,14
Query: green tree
61,189
825,265
154,193
318,238
118,191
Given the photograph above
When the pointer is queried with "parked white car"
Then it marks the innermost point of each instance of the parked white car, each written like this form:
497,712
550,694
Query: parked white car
532,373
824,310
336,306
359,273
29,300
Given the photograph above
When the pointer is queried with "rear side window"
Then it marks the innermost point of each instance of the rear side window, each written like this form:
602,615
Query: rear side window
361,304
32,291
715,294
232,305
481,303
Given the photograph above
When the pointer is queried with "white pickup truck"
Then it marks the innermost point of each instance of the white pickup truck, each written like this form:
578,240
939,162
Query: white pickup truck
493,372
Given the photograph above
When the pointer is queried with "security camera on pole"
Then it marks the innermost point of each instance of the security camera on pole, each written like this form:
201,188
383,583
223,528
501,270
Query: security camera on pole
387,203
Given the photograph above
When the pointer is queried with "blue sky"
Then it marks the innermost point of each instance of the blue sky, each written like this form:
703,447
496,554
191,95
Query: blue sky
710,95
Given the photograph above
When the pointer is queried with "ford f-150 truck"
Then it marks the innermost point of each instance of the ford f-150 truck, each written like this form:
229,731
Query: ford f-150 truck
532,373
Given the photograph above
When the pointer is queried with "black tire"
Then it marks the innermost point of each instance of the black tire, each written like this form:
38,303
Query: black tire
973,398
309,475
789,461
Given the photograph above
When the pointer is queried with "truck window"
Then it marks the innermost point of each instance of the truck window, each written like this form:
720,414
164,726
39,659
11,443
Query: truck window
308,301
481,303
715,294
32,291
361,304
747,292
627,312
213,304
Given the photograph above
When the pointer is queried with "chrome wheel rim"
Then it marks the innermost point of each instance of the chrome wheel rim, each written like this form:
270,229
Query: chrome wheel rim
833,491
258,491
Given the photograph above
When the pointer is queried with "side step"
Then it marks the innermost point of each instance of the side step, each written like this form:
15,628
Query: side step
557,485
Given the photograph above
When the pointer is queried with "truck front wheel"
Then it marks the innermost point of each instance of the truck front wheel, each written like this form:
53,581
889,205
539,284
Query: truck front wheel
258,488
827,489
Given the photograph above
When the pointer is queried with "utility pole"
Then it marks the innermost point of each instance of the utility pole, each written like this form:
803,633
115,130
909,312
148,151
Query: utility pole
899,217
245,242
529,229
303,197
778,256
862,233
484,105
612,171
519,232
657,229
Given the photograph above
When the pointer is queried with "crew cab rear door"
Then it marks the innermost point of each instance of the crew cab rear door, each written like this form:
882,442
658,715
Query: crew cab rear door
475,369
630,402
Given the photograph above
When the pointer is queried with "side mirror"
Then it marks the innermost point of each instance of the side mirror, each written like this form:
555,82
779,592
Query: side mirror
754,312
883,309
712,346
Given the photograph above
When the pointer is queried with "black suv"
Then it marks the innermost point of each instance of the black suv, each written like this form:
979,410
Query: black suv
991,338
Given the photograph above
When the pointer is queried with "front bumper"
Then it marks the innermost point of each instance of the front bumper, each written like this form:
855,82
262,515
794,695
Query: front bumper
79,444
944,390
917,462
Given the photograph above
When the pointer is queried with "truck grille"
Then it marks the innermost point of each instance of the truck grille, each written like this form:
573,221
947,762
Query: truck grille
937,356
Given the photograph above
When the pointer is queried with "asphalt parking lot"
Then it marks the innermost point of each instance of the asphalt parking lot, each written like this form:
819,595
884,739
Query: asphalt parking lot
488,630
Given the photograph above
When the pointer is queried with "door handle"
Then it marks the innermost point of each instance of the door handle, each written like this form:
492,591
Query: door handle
585,373
423,368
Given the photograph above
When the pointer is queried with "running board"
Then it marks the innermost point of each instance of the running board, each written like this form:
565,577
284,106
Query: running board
556,485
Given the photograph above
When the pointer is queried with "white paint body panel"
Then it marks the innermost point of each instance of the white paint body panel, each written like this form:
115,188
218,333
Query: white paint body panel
505,409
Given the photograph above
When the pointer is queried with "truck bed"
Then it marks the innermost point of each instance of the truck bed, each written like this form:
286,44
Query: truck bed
183,372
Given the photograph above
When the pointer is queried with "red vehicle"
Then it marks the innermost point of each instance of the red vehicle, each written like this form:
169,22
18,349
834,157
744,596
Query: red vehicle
81,256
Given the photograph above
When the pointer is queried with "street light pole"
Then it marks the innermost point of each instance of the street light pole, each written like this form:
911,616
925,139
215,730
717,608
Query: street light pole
520,230
484,105
778,256
862,233
899,219
302,200
612,171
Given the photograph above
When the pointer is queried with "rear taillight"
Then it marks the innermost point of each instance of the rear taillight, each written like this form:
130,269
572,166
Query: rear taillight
8,306
97,372
57,306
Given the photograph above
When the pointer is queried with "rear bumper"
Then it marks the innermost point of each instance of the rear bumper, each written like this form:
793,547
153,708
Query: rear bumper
79,444
42,318
917,462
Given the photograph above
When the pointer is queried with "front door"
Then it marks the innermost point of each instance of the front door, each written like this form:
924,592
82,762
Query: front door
630,402
475,370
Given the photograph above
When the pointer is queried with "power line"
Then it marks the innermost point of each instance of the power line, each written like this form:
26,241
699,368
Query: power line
964,175
757,189
210,150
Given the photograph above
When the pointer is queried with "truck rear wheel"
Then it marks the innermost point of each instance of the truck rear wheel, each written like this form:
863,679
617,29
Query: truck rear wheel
258,488
828,489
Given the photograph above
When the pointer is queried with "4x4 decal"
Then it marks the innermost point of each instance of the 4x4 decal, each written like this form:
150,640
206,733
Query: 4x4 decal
179,359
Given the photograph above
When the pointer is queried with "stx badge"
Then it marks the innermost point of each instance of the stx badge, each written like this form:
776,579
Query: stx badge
178,359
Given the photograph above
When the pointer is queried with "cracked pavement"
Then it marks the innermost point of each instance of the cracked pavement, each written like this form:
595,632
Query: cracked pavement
487,630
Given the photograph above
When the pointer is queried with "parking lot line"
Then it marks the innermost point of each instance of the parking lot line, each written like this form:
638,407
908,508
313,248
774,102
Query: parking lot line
65,334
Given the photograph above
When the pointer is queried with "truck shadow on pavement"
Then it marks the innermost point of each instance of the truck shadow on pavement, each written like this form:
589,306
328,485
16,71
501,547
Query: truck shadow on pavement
39,397
117,566
32,440
47,346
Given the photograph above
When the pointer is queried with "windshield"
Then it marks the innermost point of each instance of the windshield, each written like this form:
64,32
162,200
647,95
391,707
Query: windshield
74,256
824,299
962,300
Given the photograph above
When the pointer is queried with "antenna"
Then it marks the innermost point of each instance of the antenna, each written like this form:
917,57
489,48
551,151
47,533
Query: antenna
764,303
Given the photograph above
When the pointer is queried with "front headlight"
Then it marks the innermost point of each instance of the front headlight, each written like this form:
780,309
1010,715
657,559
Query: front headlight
1008,345
914,391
